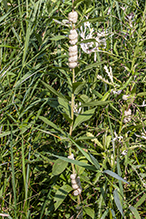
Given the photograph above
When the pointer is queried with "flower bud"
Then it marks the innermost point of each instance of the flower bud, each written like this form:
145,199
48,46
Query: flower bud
73,58
71,157
73,181
75,192
75,186
79,190
73,37
73,53
73,48
72,64
73,176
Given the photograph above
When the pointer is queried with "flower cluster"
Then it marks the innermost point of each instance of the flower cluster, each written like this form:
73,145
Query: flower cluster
75,181
76,184
73,17
88,33
127,115
73,39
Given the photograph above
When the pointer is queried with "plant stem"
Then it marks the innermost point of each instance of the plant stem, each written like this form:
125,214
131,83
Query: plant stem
72,115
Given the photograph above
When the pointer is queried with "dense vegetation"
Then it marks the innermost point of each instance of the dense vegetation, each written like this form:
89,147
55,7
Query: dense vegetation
96,111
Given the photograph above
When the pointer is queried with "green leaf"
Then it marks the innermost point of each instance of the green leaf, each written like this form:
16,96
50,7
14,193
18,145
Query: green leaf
59,166
3,134
90,212
141,94
134,212
87,41
95,140
81,150
96,103
59,37
94,161
51,124
77,2
94,20
105,214
91,66
53,90
61,194
66,107
78,163
140,201
83,117
116,176
117,202
78,86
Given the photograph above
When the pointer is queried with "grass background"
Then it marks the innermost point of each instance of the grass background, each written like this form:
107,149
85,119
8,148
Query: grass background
35,86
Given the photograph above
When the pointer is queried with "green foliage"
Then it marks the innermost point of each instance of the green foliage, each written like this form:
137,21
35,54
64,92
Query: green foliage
38,97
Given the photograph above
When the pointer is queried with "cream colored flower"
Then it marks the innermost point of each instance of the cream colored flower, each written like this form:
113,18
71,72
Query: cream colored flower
73,176
73,16
75,186
72,64
73,58
75,192
127,115
73,48
73,37
71,157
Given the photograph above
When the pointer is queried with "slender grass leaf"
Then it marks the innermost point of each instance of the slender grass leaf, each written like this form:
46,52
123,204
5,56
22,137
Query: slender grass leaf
90,212
116,176
83,117
51,124
126,84
140,201
59,166
3,134
77,2
96,103
61,194
87,41
95,19
27,41
58,37
91,66
13,175
141,94
105,214
117,202
134,212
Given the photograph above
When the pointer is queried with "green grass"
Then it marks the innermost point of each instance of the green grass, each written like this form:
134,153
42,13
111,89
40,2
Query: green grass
36,111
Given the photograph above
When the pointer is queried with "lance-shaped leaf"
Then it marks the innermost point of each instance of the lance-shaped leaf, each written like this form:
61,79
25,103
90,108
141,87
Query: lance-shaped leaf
134,212
96,103
116,176
95,162
83,117
78,163
51,124
56,38
65,106
117,202
78,86
53,90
